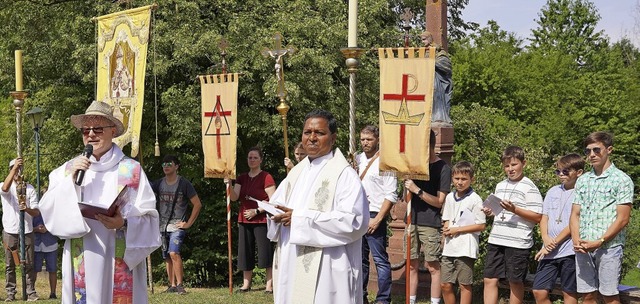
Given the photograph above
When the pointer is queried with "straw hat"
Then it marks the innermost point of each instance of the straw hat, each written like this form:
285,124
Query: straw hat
98,108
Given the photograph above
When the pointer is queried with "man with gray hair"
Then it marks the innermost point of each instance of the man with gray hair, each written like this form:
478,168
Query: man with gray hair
104,252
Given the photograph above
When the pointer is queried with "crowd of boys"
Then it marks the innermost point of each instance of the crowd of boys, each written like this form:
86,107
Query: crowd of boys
582,223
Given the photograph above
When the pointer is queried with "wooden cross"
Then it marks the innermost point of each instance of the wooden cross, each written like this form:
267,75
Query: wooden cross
277,53
223,44
502,217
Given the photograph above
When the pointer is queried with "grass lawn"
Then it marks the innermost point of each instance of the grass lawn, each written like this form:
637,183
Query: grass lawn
219,295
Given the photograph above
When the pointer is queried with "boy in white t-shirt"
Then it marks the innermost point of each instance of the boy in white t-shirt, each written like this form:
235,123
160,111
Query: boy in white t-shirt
463,220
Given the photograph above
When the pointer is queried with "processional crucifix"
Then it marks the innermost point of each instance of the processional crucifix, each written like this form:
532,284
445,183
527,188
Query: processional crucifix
277,53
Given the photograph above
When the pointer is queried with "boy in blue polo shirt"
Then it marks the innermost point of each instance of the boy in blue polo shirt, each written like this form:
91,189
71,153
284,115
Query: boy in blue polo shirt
557,258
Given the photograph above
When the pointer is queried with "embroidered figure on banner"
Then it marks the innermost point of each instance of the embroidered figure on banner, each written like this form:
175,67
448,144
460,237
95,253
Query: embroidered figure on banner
404,118
217,115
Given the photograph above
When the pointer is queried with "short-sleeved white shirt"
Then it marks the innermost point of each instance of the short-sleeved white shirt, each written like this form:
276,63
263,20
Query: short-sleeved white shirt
465,244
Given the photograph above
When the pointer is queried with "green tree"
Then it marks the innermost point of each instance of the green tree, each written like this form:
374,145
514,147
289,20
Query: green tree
569,26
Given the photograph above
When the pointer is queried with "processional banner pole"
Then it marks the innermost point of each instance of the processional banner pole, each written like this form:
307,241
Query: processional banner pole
352,53
19,96
283,108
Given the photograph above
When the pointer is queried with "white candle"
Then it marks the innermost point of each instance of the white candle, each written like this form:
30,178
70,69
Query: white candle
18,54
353,23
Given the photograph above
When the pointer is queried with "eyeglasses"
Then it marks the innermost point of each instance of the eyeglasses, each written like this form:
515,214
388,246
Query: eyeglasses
564,172
96,130
166,165
595,150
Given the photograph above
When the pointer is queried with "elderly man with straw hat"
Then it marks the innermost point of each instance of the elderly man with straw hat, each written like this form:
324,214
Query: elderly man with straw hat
104,251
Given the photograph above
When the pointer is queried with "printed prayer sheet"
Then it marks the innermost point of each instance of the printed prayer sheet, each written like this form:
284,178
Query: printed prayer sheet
493,202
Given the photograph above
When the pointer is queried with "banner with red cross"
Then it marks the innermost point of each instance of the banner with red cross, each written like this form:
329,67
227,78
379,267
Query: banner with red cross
406,99
219,124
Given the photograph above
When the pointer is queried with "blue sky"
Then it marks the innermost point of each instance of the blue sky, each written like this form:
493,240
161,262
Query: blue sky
618,17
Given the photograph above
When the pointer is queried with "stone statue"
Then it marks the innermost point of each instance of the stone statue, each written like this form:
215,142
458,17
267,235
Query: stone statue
443,84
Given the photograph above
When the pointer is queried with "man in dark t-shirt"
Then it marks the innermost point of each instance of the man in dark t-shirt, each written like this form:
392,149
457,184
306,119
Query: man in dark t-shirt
173,194
426,222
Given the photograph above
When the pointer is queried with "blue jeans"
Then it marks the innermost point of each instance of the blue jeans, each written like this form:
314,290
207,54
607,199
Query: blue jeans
376,243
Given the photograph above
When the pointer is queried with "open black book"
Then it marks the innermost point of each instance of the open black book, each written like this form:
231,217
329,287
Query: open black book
90,211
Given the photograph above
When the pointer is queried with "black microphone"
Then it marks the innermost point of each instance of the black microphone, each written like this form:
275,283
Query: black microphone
88,150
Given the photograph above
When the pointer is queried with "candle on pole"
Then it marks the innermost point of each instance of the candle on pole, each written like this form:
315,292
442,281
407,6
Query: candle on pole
18,54
353,24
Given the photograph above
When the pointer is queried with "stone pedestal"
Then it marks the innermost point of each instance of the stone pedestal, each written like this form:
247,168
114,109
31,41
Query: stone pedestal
444,149
436,21
397,259
444,140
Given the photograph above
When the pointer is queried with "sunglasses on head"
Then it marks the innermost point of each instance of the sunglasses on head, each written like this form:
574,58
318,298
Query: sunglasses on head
563,172
596,150
96,130
168,164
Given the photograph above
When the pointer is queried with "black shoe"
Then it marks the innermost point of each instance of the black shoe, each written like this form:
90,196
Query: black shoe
52,296
180,290
240,290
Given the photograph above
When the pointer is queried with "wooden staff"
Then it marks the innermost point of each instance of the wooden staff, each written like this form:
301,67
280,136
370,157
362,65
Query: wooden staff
229,235
407,270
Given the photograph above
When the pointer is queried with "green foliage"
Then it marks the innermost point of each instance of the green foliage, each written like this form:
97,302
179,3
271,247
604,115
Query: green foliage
569,26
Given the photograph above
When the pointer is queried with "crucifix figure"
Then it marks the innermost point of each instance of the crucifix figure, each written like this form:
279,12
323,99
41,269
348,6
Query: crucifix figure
277,53
502,217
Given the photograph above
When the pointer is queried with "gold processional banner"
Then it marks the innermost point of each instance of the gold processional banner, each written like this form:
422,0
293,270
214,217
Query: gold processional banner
219,124
406,98
122,60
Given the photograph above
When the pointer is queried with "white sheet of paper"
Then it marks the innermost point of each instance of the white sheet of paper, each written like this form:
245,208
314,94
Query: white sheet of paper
270,208
466,218
493,202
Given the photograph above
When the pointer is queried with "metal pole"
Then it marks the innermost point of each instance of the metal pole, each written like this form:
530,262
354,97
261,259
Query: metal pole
351,54
37,134
18,102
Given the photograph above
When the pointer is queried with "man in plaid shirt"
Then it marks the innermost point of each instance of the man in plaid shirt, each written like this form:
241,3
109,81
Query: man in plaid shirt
599,215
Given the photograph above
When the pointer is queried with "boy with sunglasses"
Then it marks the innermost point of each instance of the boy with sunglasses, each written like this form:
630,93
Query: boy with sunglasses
599,215
557,258
173,194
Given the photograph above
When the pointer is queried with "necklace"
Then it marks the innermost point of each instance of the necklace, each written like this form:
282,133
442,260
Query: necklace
563,202
502,214
458,201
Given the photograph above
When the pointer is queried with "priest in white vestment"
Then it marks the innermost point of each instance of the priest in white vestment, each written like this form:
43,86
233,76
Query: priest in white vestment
319,252
103,258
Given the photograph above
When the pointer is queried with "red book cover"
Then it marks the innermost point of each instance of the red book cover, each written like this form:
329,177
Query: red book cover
90,211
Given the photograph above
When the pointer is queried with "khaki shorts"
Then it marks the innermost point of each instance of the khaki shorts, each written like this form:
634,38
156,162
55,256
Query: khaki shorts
458,269
430,241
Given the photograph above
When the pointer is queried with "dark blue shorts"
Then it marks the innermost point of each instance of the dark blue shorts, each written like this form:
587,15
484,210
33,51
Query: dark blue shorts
50,259
549,270
173,240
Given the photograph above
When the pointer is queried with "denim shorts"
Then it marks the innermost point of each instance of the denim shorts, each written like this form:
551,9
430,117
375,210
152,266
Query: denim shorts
171,242
50,259
599,270
550,269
